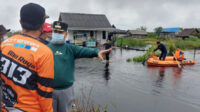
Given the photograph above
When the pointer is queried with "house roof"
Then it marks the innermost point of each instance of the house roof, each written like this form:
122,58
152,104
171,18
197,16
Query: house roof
171,30
137,32
118,31
85,21
188,32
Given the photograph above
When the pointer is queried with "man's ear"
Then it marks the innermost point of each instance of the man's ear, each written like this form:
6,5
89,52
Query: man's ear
42,27
66,33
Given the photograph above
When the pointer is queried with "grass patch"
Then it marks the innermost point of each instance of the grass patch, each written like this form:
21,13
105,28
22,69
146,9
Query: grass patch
85,104
128,60
138,58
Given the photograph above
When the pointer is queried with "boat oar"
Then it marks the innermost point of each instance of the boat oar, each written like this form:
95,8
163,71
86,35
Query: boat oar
179,66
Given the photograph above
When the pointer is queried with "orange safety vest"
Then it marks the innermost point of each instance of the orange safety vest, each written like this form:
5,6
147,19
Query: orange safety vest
27,75
178,55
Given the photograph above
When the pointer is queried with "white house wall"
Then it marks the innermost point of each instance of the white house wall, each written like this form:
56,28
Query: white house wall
98,35
70,36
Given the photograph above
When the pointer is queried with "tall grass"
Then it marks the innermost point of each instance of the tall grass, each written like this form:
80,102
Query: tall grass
171,47
85,104
131,42
190,43
187,44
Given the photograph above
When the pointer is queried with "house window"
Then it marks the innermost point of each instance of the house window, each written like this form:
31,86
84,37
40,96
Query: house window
91,33
104,35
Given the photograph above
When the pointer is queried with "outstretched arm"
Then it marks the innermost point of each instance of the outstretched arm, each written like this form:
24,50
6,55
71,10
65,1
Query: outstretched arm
103,52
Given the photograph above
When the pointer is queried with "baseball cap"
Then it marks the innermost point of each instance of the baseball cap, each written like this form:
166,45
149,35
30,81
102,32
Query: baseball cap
47,27
3,30
32,13
60,26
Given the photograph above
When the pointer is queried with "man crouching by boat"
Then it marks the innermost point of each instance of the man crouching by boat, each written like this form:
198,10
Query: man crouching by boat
162,49
179,55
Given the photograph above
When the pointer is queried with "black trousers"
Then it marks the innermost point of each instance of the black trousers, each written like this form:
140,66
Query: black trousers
163,56
107,56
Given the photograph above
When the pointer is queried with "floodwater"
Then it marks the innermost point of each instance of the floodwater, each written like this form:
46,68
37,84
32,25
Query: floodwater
133,87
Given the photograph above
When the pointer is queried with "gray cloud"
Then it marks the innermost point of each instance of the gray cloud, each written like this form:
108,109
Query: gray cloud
131,13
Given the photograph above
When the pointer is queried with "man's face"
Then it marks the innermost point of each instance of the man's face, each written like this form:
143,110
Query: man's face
48,34
62,33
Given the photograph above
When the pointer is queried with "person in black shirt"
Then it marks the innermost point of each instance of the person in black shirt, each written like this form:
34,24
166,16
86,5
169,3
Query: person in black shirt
163,50
107,46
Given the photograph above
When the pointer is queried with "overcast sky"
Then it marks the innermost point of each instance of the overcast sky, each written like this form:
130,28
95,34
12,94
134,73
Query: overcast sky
126,14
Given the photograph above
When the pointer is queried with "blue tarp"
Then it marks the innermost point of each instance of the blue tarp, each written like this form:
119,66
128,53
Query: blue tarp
171,30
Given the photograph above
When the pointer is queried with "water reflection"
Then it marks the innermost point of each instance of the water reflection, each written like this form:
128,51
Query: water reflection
177,74
160,78
107,72
121,51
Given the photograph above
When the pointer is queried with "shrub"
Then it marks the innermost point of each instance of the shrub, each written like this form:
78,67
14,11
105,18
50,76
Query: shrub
128,60
192,38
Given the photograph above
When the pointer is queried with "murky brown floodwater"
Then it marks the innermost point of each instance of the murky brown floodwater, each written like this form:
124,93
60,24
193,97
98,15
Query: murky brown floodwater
137,88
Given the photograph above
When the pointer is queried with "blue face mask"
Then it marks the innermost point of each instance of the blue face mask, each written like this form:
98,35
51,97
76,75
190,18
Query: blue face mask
48,40
4,37
57,38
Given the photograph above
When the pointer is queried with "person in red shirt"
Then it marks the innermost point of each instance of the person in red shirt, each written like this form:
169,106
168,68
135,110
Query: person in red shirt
46,34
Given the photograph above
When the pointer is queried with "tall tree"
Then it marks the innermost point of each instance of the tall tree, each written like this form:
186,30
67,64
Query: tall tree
158,30
142,28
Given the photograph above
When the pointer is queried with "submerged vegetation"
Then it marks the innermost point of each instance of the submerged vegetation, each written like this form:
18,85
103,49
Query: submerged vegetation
147,55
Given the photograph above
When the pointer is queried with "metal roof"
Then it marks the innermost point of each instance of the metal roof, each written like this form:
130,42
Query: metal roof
171,30
85,21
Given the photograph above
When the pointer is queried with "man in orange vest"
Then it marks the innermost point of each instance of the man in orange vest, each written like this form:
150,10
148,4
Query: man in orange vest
27,66
179,55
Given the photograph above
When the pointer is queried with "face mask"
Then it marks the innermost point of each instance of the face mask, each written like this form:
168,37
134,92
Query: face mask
48,40
57,38
4,37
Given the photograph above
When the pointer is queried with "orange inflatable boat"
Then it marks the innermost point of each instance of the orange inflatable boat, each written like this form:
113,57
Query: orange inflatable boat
169,61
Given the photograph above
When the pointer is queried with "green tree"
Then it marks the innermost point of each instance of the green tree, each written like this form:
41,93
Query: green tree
142,28
158,30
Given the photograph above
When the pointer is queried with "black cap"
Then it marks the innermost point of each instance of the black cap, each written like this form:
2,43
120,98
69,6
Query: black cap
60,26
33,14
3,30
